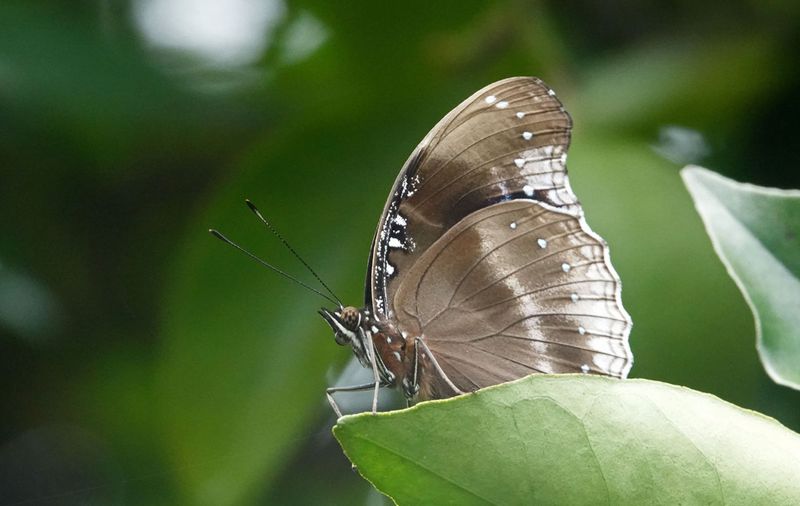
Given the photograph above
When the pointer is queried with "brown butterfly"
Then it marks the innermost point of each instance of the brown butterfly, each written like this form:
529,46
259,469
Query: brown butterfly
482,269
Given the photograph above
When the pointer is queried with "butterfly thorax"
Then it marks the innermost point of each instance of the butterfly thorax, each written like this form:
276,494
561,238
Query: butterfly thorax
395,353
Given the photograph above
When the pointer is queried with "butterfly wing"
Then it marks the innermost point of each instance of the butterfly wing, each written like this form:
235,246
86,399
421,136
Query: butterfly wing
508,140
458,258
519,287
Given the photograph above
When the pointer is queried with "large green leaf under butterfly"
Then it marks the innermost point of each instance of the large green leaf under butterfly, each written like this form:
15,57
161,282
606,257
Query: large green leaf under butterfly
756,233
573,439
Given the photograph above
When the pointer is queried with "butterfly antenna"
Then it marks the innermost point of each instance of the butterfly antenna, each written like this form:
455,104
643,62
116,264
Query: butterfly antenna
218,235
289,247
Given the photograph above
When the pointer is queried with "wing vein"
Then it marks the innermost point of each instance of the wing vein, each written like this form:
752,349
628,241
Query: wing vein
477,167
497,247
546,341
442,250
542,289
582,315
525,266
477,365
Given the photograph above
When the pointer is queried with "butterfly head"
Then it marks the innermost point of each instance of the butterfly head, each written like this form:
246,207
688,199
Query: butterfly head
346,325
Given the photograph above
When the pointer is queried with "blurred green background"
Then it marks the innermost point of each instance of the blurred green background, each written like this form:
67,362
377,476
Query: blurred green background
143,362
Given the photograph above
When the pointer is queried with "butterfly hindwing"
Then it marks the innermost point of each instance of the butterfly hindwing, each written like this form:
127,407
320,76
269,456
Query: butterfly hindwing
517,288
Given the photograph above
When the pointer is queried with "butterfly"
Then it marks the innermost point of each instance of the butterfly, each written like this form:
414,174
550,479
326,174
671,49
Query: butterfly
482,269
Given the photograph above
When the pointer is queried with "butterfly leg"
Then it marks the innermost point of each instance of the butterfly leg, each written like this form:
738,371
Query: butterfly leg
427,351
410,389
375,375
355,388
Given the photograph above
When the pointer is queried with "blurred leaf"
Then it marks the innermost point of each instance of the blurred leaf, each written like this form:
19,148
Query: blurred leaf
576,440
755,233
244,368
686,80
64,78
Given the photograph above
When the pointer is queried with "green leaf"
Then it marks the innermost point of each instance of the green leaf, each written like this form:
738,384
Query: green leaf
755,232
574,439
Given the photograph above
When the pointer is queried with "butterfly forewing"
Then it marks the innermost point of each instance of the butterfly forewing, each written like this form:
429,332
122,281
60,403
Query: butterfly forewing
509,140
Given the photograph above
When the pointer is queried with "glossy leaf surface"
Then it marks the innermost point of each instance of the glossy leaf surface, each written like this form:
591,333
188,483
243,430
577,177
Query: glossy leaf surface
756,232
574,439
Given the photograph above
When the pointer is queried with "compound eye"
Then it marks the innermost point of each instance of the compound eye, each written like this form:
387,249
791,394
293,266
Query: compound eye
350,317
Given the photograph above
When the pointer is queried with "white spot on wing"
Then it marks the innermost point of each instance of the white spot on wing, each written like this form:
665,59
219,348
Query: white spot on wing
491,99
502,104
520,115
528,189
551,93
566,267
389,269
394,242
519,162
400,220
542,243
584,368
527,136
513,225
